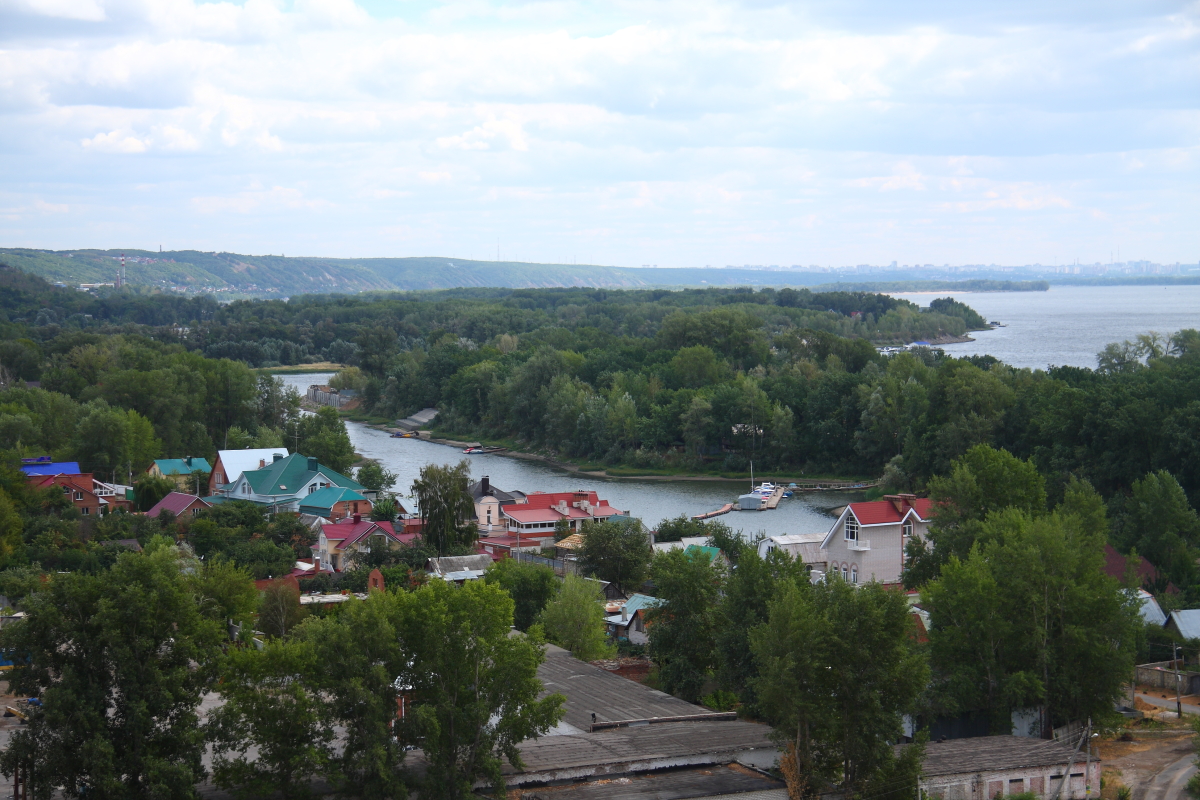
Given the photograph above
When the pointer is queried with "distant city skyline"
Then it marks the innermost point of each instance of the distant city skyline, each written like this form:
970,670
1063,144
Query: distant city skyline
677,135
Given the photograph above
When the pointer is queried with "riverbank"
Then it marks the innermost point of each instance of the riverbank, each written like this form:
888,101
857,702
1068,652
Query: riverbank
629,473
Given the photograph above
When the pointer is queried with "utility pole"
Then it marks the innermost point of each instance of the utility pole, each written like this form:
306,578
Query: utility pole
1175,661
1087,770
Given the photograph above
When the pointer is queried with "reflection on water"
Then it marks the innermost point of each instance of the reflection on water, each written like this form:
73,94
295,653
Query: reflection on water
650,500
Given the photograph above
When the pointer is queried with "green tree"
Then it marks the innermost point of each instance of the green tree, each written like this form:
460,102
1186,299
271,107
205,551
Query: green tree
1158,521
446,505
475,687
360,654
224,592
385,510
744,605
373,476
272,704
129,730
839,667
531,586
574,619
981,481
1030,618
672,530
12,545
617,552
279,609
683,626
149,489
323,436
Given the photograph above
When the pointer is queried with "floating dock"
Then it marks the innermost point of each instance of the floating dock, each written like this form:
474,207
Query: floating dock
773,500
725,509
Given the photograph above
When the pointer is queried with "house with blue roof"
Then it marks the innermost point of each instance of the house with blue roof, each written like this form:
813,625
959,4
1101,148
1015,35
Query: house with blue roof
43,465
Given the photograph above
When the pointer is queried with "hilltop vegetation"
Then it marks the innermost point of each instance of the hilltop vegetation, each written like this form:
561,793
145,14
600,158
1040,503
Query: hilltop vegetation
262,276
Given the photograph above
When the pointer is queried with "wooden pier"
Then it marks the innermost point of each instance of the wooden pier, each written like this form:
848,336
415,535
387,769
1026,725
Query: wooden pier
725,509
773,500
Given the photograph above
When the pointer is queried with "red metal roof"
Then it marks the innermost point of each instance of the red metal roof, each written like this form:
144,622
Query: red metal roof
176,503
348,531
891,510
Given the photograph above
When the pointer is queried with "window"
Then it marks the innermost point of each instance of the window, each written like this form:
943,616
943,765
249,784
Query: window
79,495
843,572
851,528
312,487
854,574
195,512
906,530
85,510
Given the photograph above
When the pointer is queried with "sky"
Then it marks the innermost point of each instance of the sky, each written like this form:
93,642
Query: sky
663,132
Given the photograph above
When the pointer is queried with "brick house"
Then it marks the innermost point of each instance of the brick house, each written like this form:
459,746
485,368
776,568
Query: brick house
867,541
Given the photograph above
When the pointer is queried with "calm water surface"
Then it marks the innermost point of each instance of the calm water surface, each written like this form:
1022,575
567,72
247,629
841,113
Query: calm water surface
648,500
1069,325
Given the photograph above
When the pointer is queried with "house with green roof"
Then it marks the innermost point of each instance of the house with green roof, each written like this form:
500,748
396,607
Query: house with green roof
180,470
288,481
335,503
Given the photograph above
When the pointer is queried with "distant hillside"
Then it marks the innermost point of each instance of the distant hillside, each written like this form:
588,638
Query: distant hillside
236,275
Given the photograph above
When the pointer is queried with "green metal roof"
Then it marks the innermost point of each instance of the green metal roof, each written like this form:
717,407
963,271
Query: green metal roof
180,466
712,552
326,499
291,475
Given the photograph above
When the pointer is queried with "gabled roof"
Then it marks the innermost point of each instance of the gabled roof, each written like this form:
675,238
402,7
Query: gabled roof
182,466
328,498
289,476
890,511
51,468
1115,563
176,503
636,603
1149,608
348,532
712,553
1186,622
235,462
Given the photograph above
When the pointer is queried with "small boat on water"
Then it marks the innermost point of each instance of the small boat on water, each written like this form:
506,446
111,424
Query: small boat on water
473,450
764,490
405,435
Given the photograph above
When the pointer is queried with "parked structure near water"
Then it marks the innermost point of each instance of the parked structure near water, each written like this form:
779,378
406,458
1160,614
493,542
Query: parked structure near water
327,396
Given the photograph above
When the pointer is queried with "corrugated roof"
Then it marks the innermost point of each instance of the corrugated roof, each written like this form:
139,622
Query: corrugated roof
993,754
1149,608
52,468
290,475
713,553
1186,622
176,503
235,462
182,466
327,498
884,512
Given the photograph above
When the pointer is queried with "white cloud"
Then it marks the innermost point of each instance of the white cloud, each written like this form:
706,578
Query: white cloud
711,131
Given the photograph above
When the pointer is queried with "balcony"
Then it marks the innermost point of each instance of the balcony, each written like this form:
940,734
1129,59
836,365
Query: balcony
858,545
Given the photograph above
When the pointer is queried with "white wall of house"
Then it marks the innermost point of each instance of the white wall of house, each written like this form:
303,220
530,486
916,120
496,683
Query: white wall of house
873,552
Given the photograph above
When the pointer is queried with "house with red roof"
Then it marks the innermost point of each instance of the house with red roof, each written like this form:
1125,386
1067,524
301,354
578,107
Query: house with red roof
867,541
179,504
537,516
86,493
340,541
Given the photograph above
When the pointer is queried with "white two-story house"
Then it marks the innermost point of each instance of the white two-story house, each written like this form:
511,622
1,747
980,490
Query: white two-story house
867,541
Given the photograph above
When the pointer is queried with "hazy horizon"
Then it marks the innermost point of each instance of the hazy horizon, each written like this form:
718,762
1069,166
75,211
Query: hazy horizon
712,133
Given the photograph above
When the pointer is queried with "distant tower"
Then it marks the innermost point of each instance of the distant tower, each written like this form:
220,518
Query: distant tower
121,273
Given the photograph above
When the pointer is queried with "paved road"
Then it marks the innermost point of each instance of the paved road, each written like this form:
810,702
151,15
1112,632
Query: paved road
1168,703
1171,783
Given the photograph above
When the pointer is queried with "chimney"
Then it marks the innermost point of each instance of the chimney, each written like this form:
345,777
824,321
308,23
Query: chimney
357,518
485,485
262,462
276,457
625,613
312,464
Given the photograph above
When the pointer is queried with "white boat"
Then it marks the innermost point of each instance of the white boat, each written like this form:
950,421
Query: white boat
764,490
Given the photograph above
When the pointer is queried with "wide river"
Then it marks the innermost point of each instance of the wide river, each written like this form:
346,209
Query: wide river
1067,325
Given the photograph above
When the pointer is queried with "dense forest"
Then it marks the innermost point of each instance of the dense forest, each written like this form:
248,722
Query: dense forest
688,381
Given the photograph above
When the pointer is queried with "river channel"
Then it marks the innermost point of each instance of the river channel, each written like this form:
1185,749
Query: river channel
649,500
